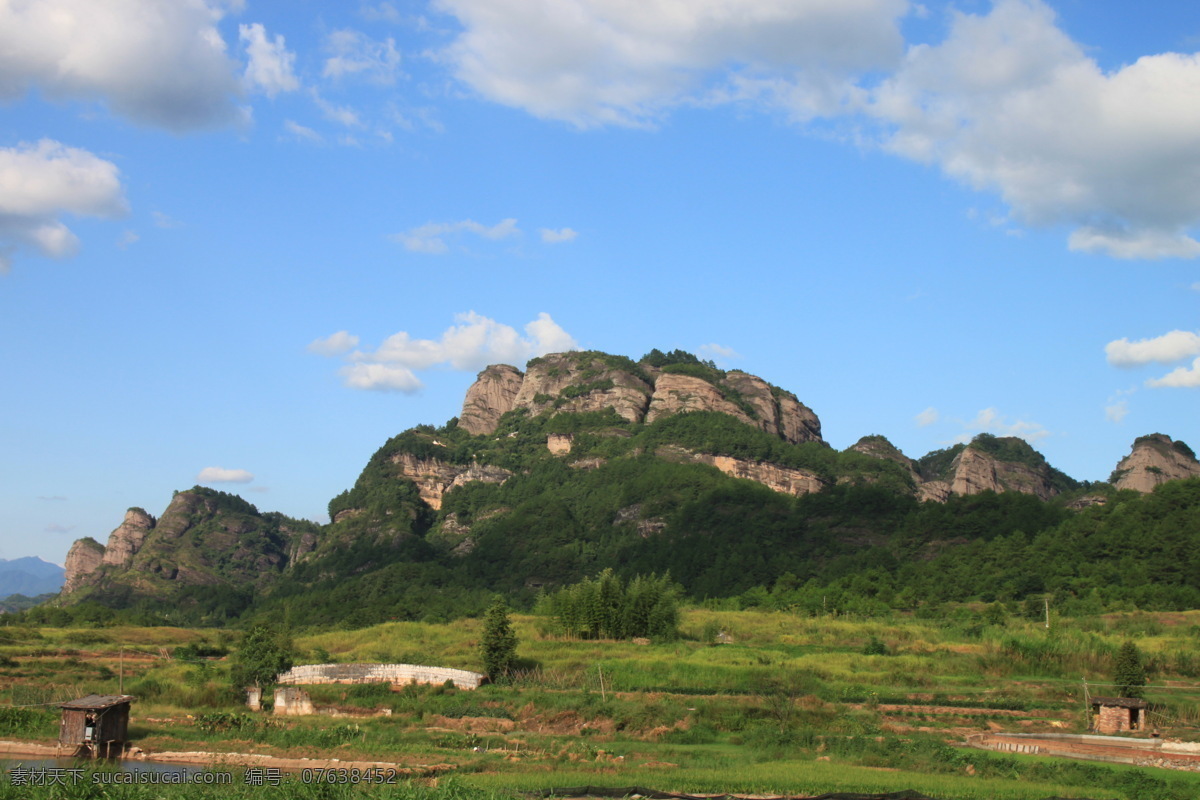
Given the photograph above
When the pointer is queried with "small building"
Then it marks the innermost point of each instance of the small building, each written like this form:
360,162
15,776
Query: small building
1116,714
292,701
96,726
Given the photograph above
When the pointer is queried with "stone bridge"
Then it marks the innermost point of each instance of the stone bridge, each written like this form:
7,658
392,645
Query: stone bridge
396,674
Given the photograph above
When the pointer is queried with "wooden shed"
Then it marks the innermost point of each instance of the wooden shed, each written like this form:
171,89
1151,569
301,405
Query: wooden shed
96,726
1117,714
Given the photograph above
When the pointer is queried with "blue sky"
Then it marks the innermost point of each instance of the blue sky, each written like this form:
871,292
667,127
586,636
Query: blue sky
243,243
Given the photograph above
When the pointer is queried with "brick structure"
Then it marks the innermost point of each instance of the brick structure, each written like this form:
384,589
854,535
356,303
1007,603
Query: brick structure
395,674
1117,714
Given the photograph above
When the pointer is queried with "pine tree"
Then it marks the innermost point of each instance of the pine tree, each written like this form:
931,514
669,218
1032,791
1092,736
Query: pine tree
498,648
1128,674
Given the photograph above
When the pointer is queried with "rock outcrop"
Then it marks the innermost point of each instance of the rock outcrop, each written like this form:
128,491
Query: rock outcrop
879,447
83,559
580,382
204,538
1002,464
680,394
1154,460
493,394
435,477
127,539
785,480
583,382
987,464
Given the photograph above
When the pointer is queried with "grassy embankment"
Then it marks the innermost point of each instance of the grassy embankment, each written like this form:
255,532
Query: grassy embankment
792,705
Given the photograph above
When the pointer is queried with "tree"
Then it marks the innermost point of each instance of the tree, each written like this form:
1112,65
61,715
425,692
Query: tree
260,657
1128,673
498,648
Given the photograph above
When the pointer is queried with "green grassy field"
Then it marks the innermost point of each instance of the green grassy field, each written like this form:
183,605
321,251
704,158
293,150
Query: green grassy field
790,705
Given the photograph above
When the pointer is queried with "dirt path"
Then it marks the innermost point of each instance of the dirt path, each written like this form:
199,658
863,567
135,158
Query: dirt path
203,759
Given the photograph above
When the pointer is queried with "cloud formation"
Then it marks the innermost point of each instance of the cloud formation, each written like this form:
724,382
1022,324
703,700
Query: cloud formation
1009,103
989,420
334,344
550,236
595,62
1179,378
430,237
160,63
271,68
473,342
38,183
355,54
927,417
222,475
1165,349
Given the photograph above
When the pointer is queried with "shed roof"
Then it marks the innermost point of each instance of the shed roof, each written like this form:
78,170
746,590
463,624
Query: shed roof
96,702
1120,702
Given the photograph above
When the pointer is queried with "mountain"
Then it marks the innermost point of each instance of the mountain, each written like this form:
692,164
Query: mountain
585,461
29,576
205,543
1155,459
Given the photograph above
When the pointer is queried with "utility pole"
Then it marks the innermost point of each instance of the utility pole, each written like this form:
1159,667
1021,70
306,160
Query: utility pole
121,672
1047,599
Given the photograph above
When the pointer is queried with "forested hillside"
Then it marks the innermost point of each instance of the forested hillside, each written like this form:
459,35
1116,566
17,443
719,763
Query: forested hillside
730,492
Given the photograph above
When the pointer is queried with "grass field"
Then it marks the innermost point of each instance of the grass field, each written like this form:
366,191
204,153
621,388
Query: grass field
790,705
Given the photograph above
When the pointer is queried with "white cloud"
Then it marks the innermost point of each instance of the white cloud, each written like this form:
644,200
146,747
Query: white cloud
550,236
56,528
161,63
1180,377
356,54
343,115
1009,103
719,352
222,475
927,417
334,344
128,238
161,220
595,62
428,237
1163,349
989,420
1196,286
1116,411
382,12
301,132
380,377
39,182
474,341
272,66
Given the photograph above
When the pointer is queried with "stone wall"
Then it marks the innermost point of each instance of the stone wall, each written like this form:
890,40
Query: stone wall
292,702
313,674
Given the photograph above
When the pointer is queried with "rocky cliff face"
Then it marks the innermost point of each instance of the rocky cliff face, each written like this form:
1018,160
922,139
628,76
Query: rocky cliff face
582,382
679,394
1003,464
203,538
435,477
127,539
492,395
785,480
1155,459
588,381
987,464
83,559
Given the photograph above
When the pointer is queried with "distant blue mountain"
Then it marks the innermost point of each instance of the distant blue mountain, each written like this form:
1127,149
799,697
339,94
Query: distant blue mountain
29,576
